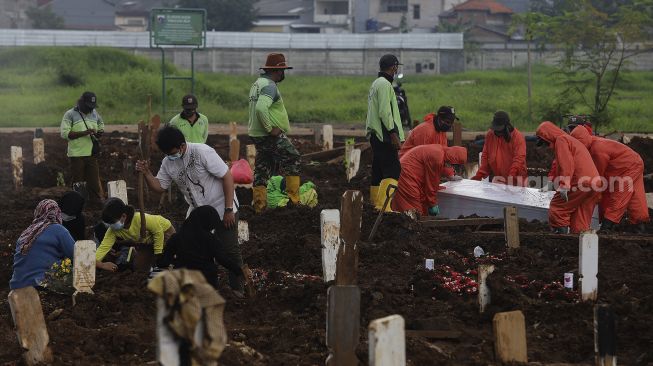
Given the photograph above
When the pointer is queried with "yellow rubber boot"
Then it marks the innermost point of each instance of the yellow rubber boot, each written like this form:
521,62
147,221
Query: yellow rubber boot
292,188
259,198
385,192
374,191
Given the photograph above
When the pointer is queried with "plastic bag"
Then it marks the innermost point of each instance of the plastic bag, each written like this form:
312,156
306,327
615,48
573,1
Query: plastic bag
241,172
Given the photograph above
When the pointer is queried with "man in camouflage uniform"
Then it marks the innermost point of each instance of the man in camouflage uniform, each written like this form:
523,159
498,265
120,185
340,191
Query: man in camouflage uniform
268,126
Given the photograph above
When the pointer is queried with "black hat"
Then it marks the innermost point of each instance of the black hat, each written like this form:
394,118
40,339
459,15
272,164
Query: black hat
189,101
387,61
89,99
447,112
500,121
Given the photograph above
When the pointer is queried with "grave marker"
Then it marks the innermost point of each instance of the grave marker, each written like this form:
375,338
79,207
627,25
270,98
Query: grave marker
38,147
317,136
387,341
343,324
118,189
17,166
233,131
28,318
327,137
354,164
243,232
484,297
588,266
351,209
330,236
84,266
251,156
234,150
511,227
605,336
510,337
457,134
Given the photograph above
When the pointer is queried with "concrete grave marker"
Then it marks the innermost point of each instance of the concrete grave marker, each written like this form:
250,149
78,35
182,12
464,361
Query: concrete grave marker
511,227
484,297
28,318
343,324
118,189
351,211
17,166
387,341
588,266
510,337
243,232
84,266
251,156
354,164
38,147
330,236
327,137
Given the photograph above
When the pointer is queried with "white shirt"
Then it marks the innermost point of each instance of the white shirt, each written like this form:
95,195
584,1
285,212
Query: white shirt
198,174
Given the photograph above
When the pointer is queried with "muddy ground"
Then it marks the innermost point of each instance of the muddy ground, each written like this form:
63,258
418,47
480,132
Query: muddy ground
285,323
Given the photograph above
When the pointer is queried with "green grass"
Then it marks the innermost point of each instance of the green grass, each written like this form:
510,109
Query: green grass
38,84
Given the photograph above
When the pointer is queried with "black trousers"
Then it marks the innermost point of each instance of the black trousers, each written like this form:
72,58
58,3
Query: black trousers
231,249
385,162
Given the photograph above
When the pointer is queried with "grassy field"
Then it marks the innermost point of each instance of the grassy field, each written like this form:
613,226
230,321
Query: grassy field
37,85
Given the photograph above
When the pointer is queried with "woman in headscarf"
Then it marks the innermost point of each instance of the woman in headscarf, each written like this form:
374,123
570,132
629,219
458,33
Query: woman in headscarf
196,246
44,243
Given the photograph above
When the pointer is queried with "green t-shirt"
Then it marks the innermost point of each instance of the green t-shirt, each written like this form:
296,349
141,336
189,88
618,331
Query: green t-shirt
382,110
198,132
72,121
266,109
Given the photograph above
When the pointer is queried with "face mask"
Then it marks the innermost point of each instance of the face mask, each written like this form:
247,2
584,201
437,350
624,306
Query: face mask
187,113
65,217
443,126
118,225
282,76
175,156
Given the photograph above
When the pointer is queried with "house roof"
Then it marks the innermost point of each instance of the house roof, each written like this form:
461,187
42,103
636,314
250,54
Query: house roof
283,8
86,14
137,7
483,5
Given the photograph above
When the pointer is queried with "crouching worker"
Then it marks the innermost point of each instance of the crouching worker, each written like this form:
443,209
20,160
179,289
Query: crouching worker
197,247
125,225
44,243
421,169
577,181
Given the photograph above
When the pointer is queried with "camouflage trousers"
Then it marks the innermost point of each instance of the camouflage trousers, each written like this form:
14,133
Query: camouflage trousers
274,156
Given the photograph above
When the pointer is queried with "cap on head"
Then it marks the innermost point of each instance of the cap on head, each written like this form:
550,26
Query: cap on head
387,61
189,101
500,121
89,99
276,61
447,113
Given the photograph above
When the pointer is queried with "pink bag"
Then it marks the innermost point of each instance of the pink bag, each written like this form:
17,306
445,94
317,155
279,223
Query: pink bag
241,172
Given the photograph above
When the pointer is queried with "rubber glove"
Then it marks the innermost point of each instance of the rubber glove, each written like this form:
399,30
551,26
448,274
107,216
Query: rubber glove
434,211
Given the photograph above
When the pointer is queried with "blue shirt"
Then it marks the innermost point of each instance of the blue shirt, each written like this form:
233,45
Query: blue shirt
53,245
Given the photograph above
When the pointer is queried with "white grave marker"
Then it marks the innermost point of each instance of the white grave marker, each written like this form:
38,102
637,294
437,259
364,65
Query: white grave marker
17,166
39,150
354,163
387,341
484,298
84,266
327,137
32,333
330,229
588,265
118,189
243,232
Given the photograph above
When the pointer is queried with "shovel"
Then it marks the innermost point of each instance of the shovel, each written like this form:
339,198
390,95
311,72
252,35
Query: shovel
388,197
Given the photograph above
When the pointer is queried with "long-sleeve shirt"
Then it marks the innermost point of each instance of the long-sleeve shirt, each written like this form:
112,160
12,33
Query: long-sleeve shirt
382,110
53,245
503,158
155,226
72,121
197,132
266,108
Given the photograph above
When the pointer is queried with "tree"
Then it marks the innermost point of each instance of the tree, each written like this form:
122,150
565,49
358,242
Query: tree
44,18
225,15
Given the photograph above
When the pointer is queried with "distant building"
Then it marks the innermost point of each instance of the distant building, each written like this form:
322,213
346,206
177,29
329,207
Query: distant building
133,16
86,14
13,13
285,16
482,21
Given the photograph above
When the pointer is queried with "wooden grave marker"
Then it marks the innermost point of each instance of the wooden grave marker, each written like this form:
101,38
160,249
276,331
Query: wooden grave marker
234,150
84,266
317,136
327,137
484,297
28,318
387,341
354,164
330,236
118,189
38,147
351,210
605,336
457,134
17,166
243,232
511,227
588,266
510,337
343,324
251,156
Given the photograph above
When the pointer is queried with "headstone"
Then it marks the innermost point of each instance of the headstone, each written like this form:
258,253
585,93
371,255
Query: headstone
330,236
351,209
343,324
511,227
354,164
32,333
118,189
605,336
38,147
510,337
243,232
234,150
457,134
84,266
387,341
484,298
251,156
327,137
317,136
588,266
17,166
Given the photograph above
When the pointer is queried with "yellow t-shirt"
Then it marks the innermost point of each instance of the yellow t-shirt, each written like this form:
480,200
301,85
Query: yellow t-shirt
156,226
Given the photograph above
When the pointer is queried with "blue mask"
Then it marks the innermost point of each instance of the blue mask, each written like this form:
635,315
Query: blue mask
175,156
118,225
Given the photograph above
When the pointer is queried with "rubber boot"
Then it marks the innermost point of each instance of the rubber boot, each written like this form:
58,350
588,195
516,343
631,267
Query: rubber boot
259,198
607,225
561,230
385,192
374,191
292,188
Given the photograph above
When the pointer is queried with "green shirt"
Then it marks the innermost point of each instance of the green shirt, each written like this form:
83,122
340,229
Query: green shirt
266,109
72,121
155,226
382,110
198,132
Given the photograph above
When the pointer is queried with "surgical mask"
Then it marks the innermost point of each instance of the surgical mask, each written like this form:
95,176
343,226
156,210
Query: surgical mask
442,126
65,217
118,225
175,156
187,113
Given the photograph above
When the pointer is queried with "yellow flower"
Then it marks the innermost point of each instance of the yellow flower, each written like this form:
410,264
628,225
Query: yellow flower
67,261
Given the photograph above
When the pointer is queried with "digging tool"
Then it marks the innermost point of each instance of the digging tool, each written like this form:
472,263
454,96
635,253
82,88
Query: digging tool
388,197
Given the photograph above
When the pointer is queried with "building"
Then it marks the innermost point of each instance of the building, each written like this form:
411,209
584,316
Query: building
132,16
285,16
483,21
86,14
13,13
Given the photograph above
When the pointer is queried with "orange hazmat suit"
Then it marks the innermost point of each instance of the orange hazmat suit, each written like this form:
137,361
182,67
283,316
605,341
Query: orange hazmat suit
505,160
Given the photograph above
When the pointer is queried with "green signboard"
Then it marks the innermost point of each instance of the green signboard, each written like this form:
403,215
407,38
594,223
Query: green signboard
178,27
